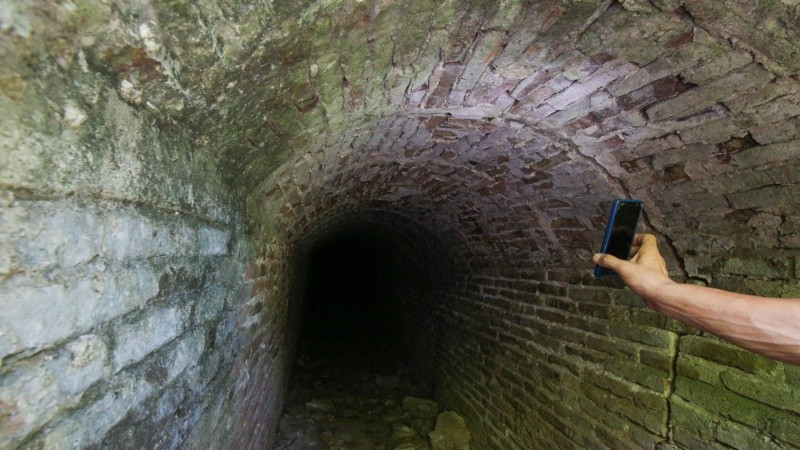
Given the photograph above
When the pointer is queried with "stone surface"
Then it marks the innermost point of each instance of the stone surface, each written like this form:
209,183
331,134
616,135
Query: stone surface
357,414
420,407
161,163
451,432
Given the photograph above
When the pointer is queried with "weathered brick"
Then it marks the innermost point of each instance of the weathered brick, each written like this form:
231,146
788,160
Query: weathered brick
776,132
660,68
717,66
767,198
725,354
599,79
734,406
692,426
763,391
133,184
648,336
702,97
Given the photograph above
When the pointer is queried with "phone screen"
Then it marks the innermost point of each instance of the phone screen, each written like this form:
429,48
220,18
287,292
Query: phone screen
623,221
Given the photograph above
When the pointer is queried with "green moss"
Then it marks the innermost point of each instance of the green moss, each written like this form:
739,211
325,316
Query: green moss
693,421
727,405
725,354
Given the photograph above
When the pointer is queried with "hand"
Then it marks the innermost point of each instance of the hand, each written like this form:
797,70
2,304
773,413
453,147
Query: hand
645,273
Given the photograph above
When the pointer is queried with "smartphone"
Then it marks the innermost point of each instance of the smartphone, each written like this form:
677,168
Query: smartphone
620,230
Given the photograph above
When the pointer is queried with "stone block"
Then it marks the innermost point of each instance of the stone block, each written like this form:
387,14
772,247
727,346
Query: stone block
86,426
420,407
451,433
212,241
34,317
210,303
185,354
38,389
42,234
134,341
129,236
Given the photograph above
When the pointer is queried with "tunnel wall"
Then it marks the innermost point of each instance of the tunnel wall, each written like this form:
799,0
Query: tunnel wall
121,258
525,343
505,126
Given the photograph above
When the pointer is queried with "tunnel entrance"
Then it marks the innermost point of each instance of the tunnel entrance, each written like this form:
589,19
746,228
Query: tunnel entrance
355,383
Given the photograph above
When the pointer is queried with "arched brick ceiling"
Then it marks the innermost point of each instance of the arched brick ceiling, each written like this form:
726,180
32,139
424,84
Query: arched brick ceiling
507,114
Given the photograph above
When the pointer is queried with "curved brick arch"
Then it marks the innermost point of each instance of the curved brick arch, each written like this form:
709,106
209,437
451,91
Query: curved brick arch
160,162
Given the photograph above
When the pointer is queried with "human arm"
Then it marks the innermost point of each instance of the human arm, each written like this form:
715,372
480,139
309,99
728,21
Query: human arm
767,326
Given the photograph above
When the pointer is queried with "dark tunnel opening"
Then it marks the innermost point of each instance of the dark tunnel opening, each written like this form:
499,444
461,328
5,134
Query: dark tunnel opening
367,283
362,279
347,287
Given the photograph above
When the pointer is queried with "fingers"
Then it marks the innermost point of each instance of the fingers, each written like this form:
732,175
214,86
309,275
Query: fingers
649,240
607,261
644,238
644,244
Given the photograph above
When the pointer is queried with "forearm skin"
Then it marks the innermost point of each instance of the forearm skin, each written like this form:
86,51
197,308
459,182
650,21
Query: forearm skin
767,326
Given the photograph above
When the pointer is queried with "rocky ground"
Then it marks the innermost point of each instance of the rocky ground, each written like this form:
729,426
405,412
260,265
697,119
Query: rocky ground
346,398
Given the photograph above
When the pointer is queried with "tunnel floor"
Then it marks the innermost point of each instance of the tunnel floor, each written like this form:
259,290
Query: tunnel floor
353,395
352,392
349,387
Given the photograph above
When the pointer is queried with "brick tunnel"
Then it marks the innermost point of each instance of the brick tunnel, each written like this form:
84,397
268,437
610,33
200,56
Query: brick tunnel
179,179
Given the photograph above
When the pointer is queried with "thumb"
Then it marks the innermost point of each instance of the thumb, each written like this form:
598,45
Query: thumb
608,261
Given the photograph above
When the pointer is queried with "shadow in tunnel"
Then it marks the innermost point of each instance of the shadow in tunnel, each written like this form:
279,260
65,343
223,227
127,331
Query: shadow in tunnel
348,286
370,283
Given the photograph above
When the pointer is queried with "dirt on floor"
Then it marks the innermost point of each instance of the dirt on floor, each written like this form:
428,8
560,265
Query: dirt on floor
341,397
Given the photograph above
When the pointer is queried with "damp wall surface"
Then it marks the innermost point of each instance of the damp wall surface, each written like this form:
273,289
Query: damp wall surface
517,335
121,272
163,164
121,256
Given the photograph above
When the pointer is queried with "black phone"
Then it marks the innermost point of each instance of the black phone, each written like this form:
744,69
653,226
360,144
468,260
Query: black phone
620,231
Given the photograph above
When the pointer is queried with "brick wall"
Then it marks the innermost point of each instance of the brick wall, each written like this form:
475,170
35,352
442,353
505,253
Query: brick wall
527,346
521,339
162,163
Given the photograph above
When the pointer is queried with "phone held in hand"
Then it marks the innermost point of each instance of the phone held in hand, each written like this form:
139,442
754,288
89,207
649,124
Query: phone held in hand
620,230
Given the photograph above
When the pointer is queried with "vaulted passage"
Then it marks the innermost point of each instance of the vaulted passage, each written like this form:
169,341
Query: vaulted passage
347,288
368,279
205,205
355,277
